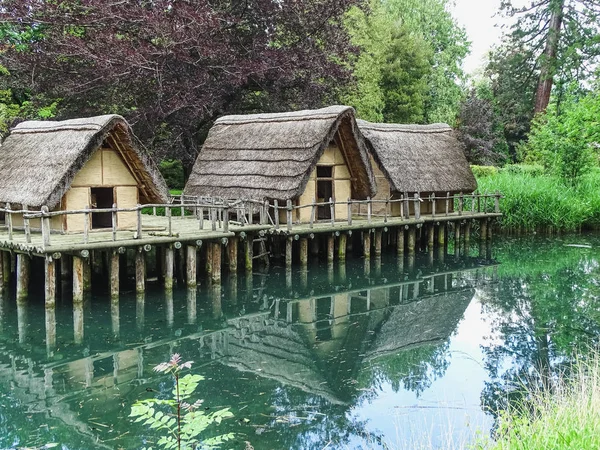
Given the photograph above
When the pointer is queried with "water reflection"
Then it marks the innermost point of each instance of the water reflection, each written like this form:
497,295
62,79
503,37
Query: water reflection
307,344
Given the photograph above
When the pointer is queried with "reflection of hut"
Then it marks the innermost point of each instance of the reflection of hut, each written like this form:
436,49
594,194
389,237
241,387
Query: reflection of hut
299,156
73,164
427,321
424,159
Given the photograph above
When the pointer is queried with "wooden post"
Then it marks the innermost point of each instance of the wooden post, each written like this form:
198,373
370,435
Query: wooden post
457,227
276,213
232,252
367,244
87,274
330,247
342,244
303,251
114,221
497,202
77,278
442,234
114,274
288,215
417,206
169,262
139,221
140,271
332,211
378,236
349,211
406,206
467,236
248,252
215,276
23,271
26,225
412,238
400,241
6,271
489,232
2,282
50,281
447,202
288,251
483,229
191,266
9,225
433,205
369,210
430,236
45,226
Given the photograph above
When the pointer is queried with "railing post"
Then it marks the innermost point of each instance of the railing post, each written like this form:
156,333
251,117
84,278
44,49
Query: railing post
139,221
226,219
170,224
369,209
478,203
213,218
433,205
26,225
276,212
473,202
385,213
460,204
201,217
182,207
154,210
417,206
262,214
349,211
250,214
402,205
45,227
332,211
86,225
312,214
497,202
289,215
447,201
114,221
406,206
485,198
9,222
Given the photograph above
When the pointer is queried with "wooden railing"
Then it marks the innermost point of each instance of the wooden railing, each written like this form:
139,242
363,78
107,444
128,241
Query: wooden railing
221,213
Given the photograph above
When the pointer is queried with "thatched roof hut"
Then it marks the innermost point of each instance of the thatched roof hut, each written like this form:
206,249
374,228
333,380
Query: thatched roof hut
419,158
271,156
40,159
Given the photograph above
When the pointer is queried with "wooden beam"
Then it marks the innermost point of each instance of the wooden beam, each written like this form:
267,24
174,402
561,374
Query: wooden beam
232,252
114,274
77,279
50,282
342,245
191,275
303,251
140,270
169,260
23,273
378,238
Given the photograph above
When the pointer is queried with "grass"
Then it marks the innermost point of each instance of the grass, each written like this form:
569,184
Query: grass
567,416
543,203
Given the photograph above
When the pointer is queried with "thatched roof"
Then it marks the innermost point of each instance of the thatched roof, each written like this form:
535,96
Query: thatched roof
39,159
419,158
271,156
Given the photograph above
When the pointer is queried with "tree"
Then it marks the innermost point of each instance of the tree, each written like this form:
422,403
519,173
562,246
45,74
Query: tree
171,67
384,29
560,36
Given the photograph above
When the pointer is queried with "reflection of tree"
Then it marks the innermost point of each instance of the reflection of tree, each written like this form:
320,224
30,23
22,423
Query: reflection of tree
542,313
413,370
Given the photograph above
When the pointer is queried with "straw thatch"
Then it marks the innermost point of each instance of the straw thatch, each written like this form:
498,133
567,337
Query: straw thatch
39,159
419,158
271,156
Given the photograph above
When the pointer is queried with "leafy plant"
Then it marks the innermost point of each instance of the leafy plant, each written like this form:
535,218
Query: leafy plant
182,422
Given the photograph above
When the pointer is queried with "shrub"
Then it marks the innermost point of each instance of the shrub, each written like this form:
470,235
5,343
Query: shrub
484,171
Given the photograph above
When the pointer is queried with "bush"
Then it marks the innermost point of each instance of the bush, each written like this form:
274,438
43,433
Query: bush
484,171
172,172
533,170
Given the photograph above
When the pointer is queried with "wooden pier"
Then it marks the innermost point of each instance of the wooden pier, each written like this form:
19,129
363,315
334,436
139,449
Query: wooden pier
193,235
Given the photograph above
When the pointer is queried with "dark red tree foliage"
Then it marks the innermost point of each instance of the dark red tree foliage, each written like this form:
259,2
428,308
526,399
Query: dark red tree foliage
173,66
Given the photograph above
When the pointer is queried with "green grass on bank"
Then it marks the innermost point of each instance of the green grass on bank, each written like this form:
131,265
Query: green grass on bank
537,202
566,416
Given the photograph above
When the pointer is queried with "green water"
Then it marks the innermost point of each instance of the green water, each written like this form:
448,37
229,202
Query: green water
389,353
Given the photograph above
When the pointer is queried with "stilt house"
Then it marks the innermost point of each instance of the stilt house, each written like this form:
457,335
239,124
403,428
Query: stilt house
301,156
423,159
75,164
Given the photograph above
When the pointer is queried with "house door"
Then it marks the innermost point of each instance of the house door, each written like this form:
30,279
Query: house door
324,191
102,198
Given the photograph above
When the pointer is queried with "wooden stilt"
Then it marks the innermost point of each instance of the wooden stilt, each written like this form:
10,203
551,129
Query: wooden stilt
330,248
87,274
342,245
467,236
114,274
6,258
169,260
23,263
442,234
303,251
2,283
77,279
412,240
430,236
215,276
50,281
232,251
367,244
457,227
378,238
140,271
191,266
248,252
400,241
483,230
489,232
289,245
215,293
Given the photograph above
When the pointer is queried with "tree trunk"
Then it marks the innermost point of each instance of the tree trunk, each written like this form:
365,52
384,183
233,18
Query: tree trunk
548,58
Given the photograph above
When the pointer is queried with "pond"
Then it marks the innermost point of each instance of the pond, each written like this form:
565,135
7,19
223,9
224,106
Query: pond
384,354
